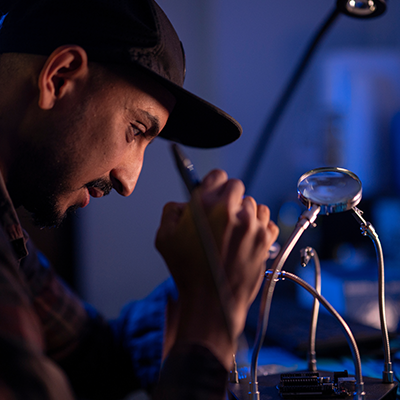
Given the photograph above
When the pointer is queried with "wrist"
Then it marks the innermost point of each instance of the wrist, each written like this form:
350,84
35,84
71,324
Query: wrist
204,323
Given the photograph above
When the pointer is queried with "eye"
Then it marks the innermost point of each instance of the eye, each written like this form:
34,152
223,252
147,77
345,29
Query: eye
134,131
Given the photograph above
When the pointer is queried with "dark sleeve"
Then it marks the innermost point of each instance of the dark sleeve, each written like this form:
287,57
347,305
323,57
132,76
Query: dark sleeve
103,359
192,372
76,337
141,328
127,354
25,372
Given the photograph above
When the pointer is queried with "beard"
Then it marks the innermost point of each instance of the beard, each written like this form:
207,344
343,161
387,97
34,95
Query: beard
38,182
40,194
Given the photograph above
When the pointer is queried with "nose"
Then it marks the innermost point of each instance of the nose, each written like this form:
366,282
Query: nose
126,174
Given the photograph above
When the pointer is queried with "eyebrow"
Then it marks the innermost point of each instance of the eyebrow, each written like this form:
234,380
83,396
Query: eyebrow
155,122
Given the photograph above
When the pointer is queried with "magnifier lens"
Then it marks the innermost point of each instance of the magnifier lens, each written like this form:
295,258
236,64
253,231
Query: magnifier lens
334,189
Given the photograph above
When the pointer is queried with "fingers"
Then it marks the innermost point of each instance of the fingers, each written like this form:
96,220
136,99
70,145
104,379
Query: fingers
217,188
172,213
259,215
248,210
259,212
225,197
214,179
263,214
171,216
273,232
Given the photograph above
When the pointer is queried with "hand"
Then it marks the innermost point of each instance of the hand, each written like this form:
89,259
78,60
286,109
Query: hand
242,234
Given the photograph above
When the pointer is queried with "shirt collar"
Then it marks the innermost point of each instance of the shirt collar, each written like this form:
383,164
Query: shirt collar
10,222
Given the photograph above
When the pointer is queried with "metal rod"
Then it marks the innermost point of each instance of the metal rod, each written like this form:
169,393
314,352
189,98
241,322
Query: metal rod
368,230
306,219
306,255
349,335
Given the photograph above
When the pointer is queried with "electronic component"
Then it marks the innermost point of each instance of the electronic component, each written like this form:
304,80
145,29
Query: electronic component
311,384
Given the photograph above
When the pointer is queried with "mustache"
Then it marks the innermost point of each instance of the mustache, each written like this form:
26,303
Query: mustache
102,184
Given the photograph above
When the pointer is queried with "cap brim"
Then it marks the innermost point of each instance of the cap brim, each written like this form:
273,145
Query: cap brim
196,122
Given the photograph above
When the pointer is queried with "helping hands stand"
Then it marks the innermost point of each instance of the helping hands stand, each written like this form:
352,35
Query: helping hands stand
323,190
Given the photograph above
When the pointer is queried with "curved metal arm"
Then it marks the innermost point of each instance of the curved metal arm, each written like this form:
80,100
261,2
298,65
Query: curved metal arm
306,255
349,335
368,230
306,219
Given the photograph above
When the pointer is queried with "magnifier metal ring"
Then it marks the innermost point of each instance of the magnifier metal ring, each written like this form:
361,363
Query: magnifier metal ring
334,189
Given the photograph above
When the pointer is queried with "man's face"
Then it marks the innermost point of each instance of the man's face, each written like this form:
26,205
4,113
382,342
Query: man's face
89,143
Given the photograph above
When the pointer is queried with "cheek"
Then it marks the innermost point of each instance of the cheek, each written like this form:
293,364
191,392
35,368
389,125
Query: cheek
95,160
122,157
102,160
104,147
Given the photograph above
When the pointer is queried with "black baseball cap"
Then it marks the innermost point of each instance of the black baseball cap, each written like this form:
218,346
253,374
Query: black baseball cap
136,33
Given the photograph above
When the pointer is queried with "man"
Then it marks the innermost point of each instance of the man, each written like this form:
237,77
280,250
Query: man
86,85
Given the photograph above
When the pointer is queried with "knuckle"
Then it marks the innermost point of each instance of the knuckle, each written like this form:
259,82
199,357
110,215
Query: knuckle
219,172
235,184
264,210
214,177
251,201
168,207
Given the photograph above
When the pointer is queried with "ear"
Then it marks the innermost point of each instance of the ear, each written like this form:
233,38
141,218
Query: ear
62,70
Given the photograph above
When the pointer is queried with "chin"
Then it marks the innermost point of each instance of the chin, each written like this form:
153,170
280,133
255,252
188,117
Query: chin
50,216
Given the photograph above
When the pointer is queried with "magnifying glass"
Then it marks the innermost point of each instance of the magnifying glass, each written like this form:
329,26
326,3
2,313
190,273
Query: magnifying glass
334,189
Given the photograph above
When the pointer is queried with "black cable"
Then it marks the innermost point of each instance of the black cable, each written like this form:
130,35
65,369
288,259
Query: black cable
261,144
